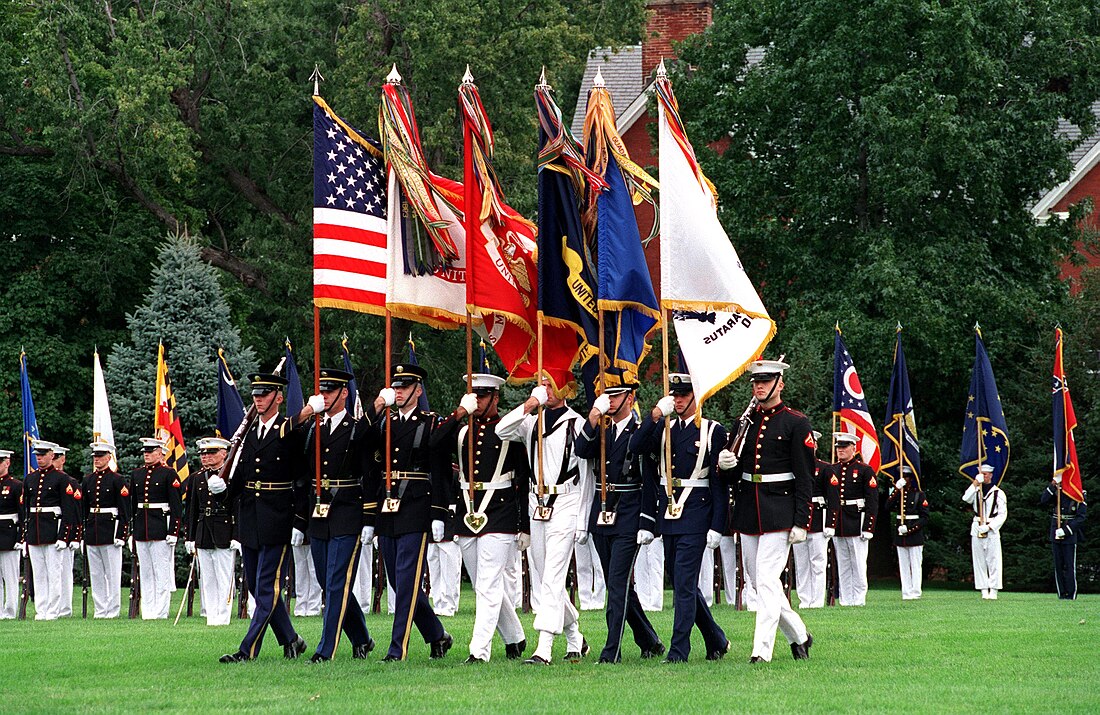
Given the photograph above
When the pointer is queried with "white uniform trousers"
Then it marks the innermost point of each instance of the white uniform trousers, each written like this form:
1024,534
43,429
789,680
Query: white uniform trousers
765,559
810,558
851,569
363,588
986,554
549,555
487,557
910,561
105,579
307,590
445,576
155,562
9,583
46,563
68,576
649,575
591,588
216,567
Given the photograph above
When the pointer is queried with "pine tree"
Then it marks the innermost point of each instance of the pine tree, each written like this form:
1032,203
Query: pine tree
186,310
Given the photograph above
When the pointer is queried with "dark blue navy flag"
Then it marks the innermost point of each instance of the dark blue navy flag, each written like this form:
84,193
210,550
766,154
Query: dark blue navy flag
295,400
985,434
230,404
422,403
900,448
30,422
353,406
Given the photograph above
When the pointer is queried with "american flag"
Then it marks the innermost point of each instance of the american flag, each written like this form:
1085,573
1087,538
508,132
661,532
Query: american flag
850,405
349,216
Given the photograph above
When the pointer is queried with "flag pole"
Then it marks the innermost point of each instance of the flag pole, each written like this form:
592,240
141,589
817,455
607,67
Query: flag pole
388,363
541,487
317,79
471,214
603,420
667,456
981,458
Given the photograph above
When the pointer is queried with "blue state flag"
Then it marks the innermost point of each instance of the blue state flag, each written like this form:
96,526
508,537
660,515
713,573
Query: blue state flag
230,404
30,422
353,405
295,401
422,403
901,447
985,434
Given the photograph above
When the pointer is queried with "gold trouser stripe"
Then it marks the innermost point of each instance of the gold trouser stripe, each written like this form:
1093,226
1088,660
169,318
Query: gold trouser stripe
344,598
415,595
274,603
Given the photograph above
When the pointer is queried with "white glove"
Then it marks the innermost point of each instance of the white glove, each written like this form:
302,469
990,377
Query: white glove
171,540
900,483
523,541
189,547
468,403
727,459
388,395
796,535
297,538
1057,478
437,530
903,530
1060,533
216,484
316,403
580,537
235,545
866,536
366,535
21,546
60,545
75,545
983,528
541,394
602,404
713,539
666,405
829,532
118,542
130,544
645,537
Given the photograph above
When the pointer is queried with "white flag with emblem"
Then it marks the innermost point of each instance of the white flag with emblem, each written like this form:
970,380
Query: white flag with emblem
101,411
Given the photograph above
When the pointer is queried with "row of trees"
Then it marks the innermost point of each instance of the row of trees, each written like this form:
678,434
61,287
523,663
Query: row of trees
879,165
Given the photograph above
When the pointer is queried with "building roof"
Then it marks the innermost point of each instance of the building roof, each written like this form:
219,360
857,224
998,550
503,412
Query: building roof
1084,158
622,74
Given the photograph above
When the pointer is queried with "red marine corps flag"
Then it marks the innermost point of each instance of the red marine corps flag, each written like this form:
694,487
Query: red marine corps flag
166,424
1065,449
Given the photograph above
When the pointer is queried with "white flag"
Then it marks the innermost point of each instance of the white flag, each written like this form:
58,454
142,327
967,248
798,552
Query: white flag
721,324
438,299
101,411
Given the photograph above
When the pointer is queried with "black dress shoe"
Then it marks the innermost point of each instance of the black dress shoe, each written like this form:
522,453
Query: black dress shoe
536,660
574,656
441,646
390,658
718,654
658,649
801,651
515,650
295,649
362,650
757,659
474,660
237,657
318,658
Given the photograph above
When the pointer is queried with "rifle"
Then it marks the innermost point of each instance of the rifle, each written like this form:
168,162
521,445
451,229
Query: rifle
84,580
26,583
785,577
289,581
525,583
242,594
716,576
190,589
135,585
832,576
190,593
379,584
739,596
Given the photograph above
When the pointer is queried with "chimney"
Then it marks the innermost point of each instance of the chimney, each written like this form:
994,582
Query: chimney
671,21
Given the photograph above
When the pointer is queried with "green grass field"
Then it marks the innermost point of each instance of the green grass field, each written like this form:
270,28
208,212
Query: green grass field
950,652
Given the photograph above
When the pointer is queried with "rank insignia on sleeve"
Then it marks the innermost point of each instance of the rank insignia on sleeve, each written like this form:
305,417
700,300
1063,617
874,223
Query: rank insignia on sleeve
77,495
69,489
124,491
873,483
925,502
176,484
809,441
834,481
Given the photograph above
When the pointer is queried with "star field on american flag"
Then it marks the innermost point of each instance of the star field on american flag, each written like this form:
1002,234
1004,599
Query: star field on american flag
346,176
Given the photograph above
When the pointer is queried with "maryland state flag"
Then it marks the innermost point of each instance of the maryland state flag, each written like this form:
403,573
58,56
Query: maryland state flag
166,423
230,405
625,290
985,433
1065,449
850,404
901,447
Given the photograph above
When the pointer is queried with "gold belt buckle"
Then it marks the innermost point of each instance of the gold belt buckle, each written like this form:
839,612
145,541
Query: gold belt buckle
674,511
757,478
320,511
605,518
390,505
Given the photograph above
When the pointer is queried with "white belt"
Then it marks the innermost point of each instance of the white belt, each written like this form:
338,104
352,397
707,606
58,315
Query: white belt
55,510
485,486
567,488
691,482
908,516
854,502
104,510
818,500
9,517
163,506
765,478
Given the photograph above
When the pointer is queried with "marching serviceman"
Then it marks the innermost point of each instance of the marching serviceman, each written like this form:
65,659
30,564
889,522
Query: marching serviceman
559,515
50,511
106,498
1067,523
694,516
410,508
624,520
811,555
73,537
210,531
990,513
158,515
492,524
852,495
336,515
774,485
910,532
11,541
269,487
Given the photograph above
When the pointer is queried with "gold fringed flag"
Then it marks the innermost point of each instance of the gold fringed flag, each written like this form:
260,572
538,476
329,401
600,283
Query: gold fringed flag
166,423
